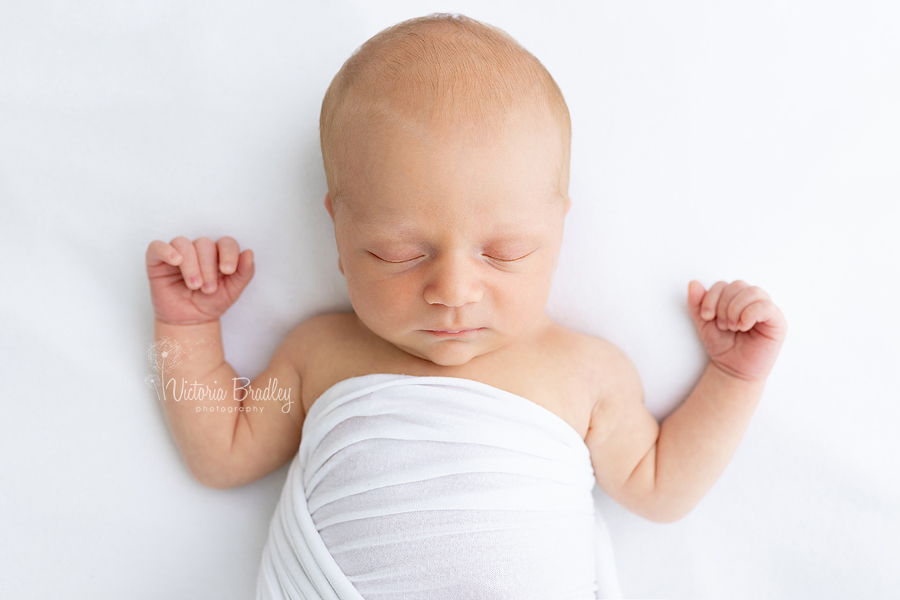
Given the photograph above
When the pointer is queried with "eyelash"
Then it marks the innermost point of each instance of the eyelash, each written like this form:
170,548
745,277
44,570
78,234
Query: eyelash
400,262
506,260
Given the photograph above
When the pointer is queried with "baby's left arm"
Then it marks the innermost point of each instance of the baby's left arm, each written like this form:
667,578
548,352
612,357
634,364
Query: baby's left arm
661,471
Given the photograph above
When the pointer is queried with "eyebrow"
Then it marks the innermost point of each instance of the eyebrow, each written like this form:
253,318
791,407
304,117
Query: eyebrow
517,228
403,232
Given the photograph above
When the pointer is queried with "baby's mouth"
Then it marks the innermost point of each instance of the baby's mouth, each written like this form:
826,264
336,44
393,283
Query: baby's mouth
452,333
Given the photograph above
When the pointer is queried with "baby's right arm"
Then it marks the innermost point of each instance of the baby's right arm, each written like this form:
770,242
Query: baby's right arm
225,442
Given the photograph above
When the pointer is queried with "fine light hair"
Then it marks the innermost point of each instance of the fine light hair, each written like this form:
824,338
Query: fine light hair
443,73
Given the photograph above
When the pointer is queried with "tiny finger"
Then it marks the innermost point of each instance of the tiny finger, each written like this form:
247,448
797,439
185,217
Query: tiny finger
190,268
750,315
161,251
229,251
236,282
209,262
728,293
739,302
711,300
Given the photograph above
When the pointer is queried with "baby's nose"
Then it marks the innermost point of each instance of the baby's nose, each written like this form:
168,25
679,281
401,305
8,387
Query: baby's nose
454,280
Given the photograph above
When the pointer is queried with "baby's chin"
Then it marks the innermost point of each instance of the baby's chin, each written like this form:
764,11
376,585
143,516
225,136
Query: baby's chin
445,353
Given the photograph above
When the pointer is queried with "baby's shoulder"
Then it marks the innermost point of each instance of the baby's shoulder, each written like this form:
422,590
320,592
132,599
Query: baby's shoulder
604,367
327,324
587,346
324,332
338,342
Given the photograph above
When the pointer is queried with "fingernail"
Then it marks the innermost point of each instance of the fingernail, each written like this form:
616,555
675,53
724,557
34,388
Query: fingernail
707,314
227,267
730,322
208,286
195,280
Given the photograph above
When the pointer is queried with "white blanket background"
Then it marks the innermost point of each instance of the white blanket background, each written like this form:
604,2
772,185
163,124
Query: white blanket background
717,141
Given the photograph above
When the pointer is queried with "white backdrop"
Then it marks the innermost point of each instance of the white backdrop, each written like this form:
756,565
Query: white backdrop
756,141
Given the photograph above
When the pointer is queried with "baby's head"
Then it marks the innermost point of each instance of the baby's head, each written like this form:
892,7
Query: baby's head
446,149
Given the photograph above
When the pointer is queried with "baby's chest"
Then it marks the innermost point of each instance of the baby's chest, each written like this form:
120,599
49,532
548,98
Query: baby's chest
551,386
558,382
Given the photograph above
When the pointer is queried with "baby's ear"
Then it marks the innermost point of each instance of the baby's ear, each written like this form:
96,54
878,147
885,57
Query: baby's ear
328,206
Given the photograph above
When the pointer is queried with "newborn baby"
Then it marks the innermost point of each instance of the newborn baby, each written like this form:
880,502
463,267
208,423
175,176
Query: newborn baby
451,431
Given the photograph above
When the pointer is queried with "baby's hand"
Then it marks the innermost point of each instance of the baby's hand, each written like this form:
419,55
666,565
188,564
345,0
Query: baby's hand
193,283
739,325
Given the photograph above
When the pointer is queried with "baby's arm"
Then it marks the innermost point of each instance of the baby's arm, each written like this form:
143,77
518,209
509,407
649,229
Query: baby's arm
191,285
662,471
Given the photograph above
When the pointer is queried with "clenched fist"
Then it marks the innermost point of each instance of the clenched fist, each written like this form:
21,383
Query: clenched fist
195,282
739,325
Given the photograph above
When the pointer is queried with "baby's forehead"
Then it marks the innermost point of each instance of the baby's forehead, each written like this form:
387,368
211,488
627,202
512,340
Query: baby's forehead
504,228
410,212
397,109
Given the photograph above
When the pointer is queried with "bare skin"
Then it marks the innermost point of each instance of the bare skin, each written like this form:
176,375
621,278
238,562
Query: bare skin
434,236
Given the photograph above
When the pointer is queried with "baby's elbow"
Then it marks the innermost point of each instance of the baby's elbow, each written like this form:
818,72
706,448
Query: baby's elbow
214,484
666,513
656,507
666,518
215,479
206,480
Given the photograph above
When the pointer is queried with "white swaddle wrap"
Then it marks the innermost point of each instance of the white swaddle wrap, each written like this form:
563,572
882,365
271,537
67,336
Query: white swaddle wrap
433,487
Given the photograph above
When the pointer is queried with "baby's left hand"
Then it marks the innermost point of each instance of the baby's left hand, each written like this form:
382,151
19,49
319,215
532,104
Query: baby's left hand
739,325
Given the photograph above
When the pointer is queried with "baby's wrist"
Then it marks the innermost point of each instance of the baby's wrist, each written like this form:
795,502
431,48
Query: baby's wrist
160,321
203,330
202,343
727,375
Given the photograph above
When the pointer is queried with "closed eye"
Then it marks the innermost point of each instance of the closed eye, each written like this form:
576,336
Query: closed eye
504,260
395,262
509,260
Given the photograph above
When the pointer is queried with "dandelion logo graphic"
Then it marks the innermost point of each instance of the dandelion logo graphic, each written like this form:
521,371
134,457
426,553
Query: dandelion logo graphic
164,355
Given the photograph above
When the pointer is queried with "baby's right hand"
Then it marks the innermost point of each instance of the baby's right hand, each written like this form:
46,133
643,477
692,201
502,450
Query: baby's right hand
193,283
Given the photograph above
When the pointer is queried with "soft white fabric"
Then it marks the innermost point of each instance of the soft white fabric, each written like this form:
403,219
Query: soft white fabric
434,487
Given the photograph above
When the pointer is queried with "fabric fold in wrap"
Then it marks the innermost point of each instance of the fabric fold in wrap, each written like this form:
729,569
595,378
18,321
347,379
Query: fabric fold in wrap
433,487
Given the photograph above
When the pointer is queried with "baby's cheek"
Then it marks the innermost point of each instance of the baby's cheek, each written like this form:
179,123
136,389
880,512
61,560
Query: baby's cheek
525,299
386,301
